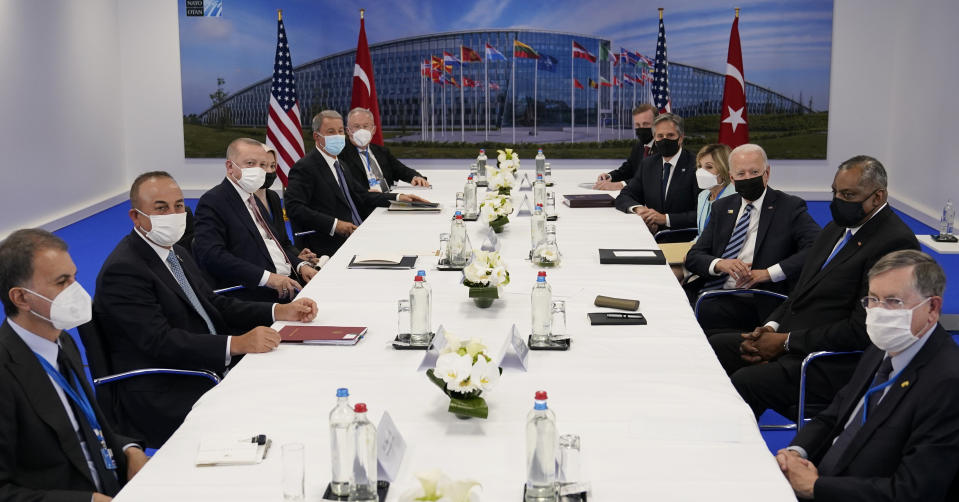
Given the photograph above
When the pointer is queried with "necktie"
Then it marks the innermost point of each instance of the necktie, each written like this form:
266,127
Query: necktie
180,277
375,169
108,484
735,244
354,214
258,216
842,243
829,461
666,167
645,151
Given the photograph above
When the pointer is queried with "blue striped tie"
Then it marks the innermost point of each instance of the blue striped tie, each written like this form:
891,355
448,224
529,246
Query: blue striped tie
180,277
341,178
734,246
842,244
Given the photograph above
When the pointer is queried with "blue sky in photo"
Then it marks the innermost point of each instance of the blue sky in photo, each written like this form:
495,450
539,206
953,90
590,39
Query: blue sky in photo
786,43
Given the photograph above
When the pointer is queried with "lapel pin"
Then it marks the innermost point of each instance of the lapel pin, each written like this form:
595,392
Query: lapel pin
904,384
729,211
859,243
769,207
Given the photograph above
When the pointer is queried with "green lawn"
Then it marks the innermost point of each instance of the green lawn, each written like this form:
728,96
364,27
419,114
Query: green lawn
783,137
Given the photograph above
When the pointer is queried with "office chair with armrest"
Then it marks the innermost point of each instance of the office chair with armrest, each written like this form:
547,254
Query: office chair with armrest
676,235
97,350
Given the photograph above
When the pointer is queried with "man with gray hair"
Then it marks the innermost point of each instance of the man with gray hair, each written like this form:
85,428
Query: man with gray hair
663,191
370,164
322,200
757,238
892,433
823,310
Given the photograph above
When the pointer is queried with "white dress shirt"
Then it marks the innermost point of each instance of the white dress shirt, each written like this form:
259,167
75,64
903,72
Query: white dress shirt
748,250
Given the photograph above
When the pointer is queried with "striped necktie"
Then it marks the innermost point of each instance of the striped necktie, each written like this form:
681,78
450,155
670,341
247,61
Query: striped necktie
734,246
180,277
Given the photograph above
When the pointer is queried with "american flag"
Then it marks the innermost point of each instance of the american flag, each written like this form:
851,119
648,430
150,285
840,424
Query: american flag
283,127
661,71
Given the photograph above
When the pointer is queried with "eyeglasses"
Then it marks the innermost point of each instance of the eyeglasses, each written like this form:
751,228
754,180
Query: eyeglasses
869,302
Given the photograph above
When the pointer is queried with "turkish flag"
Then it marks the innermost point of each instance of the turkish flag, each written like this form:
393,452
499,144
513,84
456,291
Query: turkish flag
734,127
364,88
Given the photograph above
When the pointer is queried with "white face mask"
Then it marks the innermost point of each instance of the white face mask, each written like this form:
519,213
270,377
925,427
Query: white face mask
705,179
362,137
251,179
891,330
71,308
166,229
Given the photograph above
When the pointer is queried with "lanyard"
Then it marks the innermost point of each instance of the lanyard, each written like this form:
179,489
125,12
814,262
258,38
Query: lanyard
710,211
79,398
865,397
374,181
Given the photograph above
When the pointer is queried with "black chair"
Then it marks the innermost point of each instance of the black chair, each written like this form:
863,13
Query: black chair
676,235
101,371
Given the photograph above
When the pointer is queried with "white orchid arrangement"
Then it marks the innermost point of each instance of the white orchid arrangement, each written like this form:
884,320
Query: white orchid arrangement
500,180
496,208
487,269
465,366
507,160
437,487
546,255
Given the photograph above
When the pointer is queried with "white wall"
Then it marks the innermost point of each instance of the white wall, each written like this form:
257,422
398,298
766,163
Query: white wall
61,133
97,101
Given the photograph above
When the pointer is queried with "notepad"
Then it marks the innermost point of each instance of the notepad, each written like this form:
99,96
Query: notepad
383,260
322,335
398,205
632,256
229,452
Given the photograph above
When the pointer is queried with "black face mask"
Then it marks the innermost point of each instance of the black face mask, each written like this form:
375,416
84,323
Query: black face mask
667,147
645,134
751,188
268,182
846,213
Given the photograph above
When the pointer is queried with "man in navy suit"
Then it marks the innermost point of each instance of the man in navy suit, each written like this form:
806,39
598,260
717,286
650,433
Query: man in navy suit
757,238
234,241
892,433
616,179
663,191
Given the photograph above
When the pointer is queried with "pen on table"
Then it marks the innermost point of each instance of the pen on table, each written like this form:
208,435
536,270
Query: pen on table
623,316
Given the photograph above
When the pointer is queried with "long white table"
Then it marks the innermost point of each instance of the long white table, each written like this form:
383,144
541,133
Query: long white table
658,418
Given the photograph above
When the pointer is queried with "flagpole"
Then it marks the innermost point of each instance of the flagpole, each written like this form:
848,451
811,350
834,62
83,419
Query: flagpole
512,83
486,88
599,85
432,105
572,99
535,84
462,108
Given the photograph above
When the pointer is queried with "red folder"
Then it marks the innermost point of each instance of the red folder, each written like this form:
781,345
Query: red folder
322,335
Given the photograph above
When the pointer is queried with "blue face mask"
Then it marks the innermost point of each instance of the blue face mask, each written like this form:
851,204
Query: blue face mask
334,143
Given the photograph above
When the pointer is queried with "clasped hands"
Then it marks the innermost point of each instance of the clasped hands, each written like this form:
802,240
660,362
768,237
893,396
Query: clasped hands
762,344
800,473
651,217
745,276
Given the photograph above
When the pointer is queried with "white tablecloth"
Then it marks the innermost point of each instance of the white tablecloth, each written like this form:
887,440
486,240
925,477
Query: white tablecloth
658,418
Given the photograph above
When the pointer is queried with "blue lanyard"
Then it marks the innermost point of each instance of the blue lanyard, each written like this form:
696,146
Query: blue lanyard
865,397
79,398
709,212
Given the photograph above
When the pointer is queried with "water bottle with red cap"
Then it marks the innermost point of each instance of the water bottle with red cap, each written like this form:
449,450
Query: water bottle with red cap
420,311
541,300
363,476
541,443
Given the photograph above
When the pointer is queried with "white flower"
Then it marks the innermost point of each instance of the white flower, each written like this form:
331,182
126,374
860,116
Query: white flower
457,491
476,272
484,374
547,253
501,157
453,369
499,276
436,486
475,346
452,343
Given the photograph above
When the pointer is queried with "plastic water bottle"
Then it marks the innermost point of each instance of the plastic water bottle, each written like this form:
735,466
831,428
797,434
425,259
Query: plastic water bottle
948,219
537,227
363,475
541,441
541,299
469,196
540,163
422,273
459,247
420,304
481,165
340,445
539,191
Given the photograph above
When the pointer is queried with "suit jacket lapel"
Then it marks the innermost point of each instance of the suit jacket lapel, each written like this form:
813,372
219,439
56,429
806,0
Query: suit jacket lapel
242,211
656,198
46,403
678,170
327,174
766,215
725,225
157,266
852,247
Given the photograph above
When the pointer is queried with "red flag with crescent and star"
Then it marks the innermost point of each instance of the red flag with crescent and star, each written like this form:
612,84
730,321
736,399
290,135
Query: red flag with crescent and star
734,126
364,87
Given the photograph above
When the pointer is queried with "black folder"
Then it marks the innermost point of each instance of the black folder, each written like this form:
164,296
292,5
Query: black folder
406,263
632,256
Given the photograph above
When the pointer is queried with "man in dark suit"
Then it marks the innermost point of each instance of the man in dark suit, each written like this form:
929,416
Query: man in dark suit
757,238
373,165
235,241
155,310
616,179
892,433
823,310
321,198
50,448
663,191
